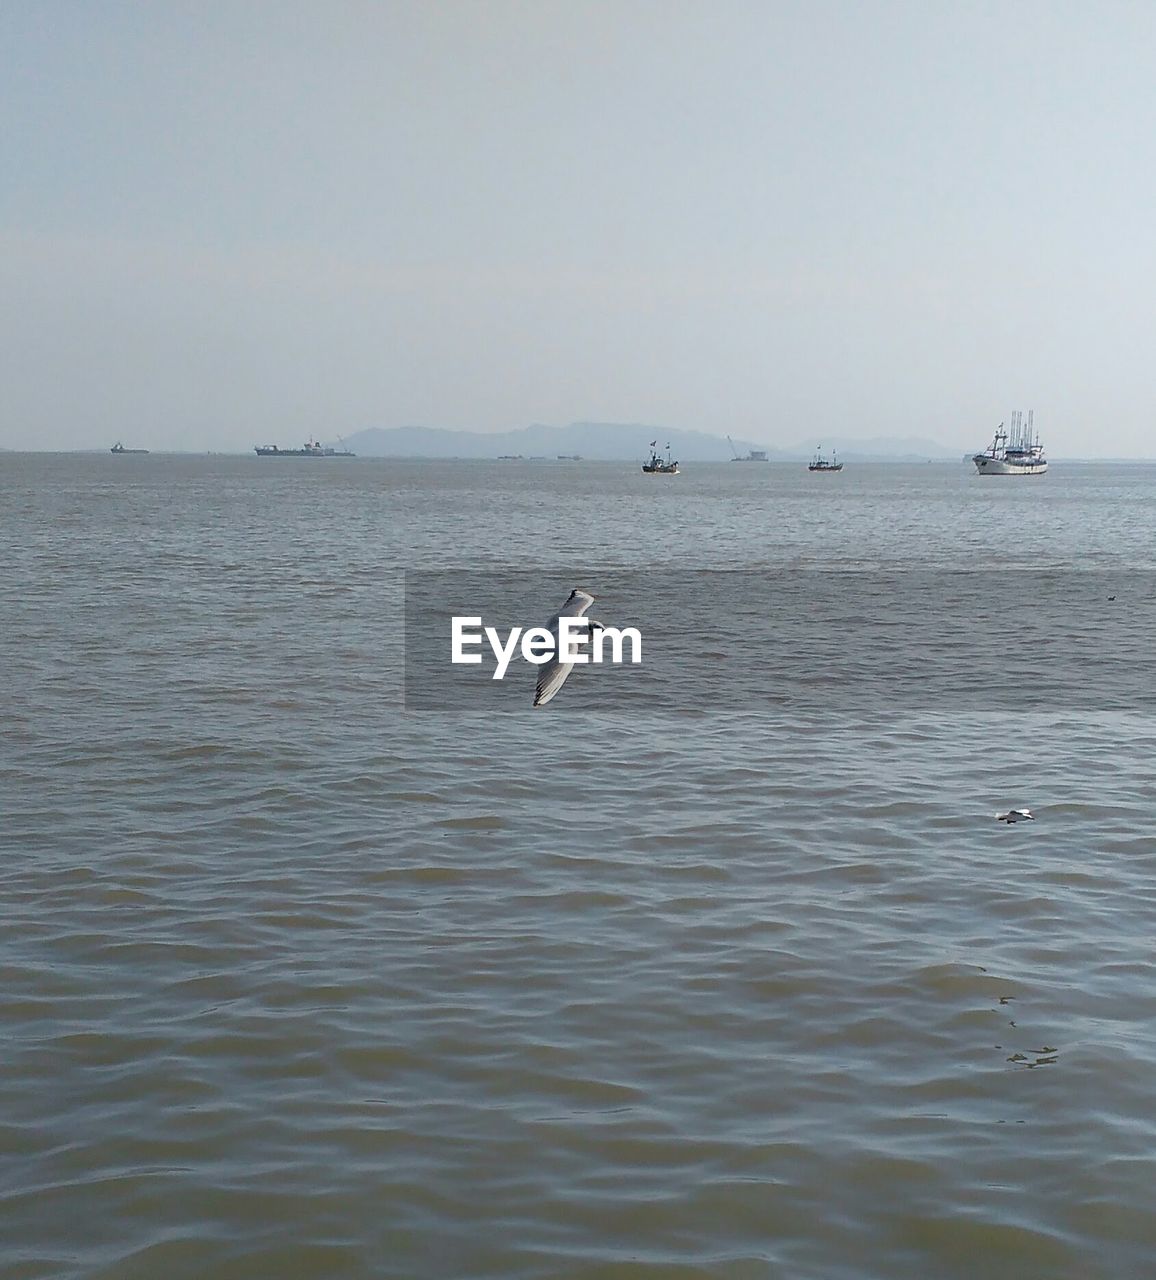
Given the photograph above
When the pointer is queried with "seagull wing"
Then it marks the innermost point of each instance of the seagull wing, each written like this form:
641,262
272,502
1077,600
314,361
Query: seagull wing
552,675
574,607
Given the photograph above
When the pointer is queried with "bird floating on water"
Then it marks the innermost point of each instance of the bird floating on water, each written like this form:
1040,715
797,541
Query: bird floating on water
552,675
1016,815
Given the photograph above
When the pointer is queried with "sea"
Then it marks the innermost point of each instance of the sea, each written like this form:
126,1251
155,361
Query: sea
324,957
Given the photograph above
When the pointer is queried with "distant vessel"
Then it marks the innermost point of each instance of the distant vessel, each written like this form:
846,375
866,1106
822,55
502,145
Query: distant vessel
1016,454
310,449
753,455
119,448
819,463
655,465
569,457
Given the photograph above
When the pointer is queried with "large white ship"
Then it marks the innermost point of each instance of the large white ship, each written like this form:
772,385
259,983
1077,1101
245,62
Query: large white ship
1017,452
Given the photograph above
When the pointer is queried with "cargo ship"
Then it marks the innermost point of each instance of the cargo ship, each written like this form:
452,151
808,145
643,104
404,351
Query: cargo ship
310,449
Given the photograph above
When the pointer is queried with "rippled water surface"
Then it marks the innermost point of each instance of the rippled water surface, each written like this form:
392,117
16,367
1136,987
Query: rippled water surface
300,981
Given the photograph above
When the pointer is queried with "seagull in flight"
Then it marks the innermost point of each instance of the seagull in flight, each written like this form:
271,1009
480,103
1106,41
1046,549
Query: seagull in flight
552,675
1016,815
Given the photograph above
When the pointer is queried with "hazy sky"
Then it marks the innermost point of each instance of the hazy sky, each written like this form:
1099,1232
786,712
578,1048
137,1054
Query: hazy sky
225,223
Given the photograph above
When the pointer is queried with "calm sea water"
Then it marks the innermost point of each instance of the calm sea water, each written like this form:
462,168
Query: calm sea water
303,982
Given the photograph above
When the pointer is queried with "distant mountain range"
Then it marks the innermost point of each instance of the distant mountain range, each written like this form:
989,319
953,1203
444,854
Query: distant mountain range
616,441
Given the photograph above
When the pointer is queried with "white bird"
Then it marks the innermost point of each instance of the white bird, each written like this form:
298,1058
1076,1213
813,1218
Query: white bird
552,675
1016,815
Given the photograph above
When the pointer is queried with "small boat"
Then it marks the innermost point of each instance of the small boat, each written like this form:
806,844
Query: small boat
310,449
569,457
752,455
119,448
1016,454
819,463
655,466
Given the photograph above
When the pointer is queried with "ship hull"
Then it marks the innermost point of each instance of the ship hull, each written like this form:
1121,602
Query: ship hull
986,465
267,451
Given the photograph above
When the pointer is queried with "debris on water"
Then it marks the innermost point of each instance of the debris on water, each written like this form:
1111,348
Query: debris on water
1044,1057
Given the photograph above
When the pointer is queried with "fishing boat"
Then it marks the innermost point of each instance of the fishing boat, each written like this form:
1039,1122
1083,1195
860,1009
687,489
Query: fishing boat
119,448
819,463
655,466
310,449
1017,452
